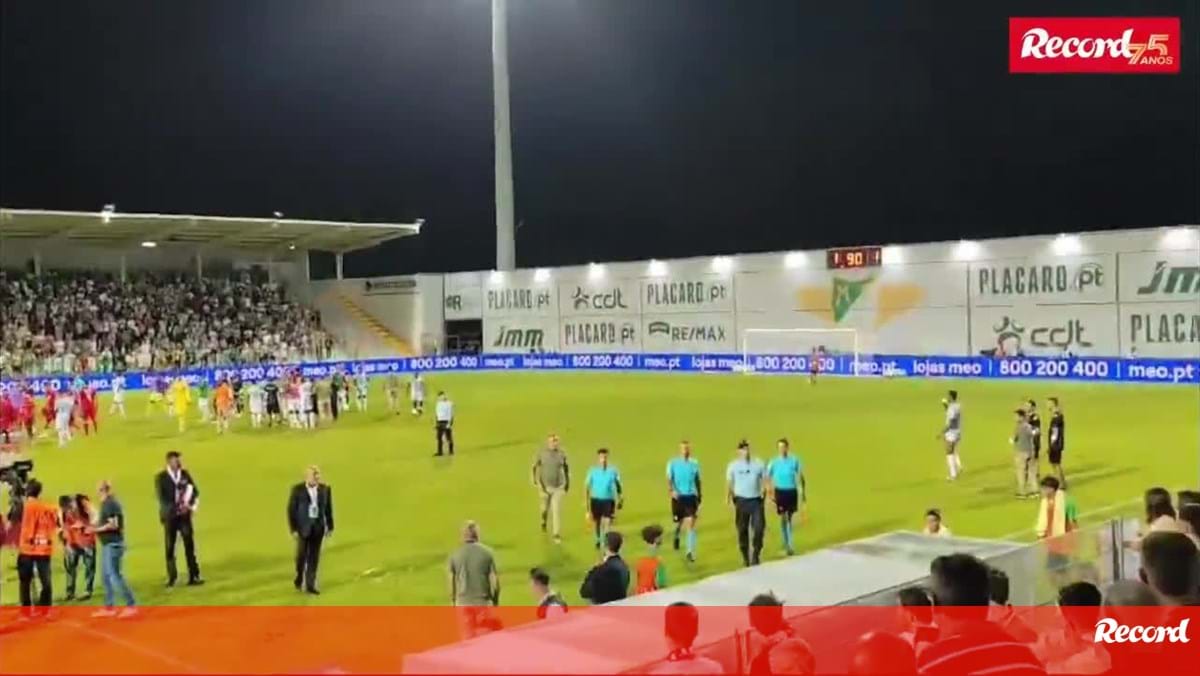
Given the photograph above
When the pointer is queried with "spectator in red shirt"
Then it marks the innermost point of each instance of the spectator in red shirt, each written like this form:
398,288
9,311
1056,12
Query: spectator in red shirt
969,644
1072,649
1002,612
882,653
917,616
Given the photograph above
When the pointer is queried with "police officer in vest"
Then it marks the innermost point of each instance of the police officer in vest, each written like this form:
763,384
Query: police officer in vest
744,478
550,604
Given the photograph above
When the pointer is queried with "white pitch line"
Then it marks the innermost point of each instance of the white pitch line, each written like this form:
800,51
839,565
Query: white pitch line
1100,510
135,647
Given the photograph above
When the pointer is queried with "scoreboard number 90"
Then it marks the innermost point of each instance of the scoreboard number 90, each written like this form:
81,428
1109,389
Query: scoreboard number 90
854,257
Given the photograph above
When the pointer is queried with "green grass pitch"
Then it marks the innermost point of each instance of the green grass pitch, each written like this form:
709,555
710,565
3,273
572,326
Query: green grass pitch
869,449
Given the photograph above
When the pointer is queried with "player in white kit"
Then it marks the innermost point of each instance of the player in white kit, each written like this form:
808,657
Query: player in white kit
258,404
63,405
118,392
293,402
308,405
361,386
416,391
952,433
343,394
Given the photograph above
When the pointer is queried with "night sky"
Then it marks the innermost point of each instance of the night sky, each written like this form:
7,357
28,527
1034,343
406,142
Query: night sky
641,129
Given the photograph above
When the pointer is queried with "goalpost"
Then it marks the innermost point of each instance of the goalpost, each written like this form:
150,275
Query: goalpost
790,350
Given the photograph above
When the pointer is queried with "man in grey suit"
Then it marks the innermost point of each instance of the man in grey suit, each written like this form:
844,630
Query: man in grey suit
1024,461
310,519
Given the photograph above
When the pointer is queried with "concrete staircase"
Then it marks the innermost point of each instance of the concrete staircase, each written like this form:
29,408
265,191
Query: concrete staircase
393,343
359,334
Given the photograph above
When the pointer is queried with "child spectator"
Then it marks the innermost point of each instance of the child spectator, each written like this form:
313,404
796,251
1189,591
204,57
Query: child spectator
651,573
934,526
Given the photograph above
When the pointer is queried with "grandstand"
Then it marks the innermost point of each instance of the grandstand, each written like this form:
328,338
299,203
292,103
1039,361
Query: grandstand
156,262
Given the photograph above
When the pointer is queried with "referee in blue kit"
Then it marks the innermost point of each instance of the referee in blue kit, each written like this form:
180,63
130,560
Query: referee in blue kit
744,478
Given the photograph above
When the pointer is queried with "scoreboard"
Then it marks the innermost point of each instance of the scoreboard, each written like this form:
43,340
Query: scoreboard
854,257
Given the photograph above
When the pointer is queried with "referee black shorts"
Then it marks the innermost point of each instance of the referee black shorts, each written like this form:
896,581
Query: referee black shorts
1055,454
786,500
603,509
684,507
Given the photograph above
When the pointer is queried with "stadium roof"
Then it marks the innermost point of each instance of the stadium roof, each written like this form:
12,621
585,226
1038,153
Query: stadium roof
265,235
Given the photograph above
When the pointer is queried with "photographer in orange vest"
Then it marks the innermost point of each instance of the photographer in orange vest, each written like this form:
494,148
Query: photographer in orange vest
39,526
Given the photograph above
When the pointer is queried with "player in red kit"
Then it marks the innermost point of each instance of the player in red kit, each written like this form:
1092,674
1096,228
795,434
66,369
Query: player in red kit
48,410
8,417
87,408
814,364
28,412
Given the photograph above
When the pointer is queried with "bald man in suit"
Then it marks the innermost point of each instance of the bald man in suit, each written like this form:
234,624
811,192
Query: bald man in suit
310,520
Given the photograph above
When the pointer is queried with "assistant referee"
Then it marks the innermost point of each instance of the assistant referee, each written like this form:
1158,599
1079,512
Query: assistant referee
744,478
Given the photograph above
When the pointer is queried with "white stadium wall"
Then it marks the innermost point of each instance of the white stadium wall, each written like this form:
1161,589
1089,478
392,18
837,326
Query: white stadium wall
1159,295
1044,279
902,308
463,296
1090,294
1106,293
600,315
1046,330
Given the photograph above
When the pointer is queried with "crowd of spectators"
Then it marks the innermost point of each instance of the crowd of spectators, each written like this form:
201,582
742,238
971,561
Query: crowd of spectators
69,322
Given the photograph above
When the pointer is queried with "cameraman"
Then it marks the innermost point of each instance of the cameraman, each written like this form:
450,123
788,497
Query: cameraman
39,524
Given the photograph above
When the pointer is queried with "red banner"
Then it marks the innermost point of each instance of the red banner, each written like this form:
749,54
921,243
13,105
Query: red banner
736,640
1094,45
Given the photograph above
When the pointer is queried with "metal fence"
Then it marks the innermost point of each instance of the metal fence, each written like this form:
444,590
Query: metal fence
1095,553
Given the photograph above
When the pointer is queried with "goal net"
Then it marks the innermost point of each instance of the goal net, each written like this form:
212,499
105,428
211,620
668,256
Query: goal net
794,350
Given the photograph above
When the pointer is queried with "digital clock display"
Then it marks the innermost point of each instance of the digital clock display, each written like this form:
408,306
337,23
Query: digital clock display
854,257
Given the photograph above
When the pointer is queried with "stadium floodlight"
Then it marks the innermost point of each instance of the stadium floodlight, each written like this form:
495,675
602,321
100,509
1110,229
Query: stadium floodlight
595,271
1180,237
657,268
541,275
1067,245
967,250
893,255
769,349
722,264
495,277
794,260
149,244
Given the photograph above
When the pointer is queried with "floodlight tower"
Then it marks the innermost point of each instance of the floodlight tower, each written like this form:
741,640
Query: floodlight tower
506,240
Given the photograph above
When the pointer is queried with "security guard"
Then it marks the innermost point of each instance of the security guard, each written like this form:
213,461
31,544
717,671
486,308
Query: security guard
444,423
39,527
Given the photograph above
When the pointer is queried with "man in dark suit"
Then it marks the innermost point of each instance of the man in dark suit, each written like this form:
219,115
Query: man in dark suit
178,497
310,519
608,580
